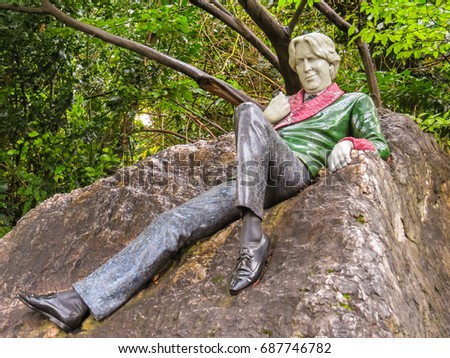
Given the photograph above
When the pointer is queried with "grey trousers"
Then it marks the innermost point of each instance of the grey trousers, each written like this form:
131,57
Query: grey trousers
267,172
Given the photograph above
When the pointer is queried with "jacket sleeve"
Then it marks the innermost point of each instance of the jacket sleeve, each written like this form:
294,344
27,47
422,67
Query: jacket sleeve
365,126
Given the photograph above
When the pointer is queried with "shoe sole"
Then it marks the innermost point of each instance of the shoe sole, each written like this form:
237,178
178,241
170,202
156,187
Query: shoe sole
53,319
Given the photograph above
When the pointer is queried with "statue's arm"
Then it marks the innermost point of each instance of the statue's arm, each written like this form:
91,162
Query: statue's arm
365,135
277,109
366,128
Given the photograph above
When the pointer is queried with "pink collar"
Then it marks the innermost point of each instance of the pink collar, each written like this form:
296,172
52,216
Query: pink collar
301,111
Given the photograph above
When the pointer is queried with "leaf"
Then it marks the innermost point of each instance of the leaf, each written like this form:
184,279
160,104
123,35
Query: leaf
352,30
12,152
59,169
105,158
33,134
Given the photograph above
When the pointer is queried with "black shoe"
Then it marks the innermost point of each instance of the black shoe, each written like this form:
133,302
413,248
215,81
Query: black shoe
65,309
251,262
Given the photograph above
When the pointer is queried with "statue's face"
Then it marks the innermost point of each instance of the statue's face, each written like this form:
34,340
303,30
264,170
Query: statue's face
313,72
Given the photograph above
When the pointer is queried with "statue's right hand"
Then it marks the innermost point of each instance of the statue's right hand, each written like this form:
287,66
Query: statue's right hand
277,109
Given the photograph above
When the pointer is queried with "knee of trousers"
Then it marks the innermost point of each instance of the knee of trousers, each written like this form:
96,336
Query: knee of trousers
248,114
247,106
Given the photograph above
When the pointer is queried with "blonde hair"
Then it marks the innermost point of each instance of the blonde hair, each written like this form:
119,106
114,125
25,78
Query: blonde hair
322,46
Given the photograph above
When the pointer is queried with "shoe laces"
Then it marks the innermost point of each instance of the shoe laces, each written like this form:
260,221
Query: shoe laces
245,255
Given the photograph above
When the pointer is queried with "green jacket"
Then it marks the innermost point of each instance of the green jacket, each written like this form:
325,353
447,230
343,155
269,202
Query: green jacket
352,116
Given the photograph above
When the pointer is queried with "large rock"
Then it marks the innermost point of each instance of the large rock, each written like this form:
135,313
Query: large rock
364,252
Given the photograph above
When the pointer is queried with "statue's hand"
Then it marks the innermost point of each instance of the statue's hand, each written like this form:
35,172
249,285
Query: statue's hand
277,109
340,155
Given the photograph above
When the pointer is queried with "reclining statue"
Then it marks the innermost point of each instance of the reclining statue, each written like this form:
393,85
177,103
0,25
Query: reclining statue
279,152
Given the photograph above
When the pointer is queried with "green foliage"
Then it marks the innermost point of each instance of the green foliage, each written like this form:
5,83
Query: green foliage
437,125
41,164
410,41
69,103
409,28
49,140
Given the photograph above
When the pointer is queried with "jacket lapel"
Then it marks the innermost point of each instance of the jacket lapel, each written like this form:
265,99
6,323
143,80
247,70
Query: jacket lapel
303,110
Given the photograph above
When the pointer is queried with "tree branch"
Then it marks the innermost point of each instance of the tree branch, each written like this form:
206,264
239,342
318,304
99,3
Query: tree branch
23,9
221,7
296,16
220,13
332,15
152,130
278,36
196,114
204,80
363,48
264,19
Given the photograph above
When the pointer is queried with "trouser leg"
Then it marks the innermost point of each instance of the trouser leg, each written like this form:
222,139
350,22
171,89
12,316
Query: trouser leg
268,171
113,283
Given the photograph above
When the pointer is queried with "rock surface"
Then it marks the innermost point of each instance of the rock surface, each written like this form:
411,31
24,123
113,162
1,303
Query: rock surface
364,252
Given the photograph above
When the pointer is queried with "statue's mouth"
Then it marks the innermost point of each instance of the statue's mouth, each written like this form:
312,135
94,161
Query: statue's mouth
310,77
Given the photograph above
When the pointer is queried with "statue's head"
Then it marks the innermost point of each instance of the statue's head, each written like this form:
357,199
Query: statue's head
314,58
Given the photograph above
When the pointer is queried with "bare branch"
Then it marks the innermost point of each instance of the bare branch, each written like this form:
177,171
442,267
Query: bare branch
220,7
204,80
264,19
153,130
25,9
196,120
296,16
220,13
197,115
332,15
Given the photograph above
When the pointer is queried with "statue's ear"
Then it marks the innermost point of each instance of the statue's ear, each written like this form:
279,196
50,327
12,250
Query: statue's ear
333,70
